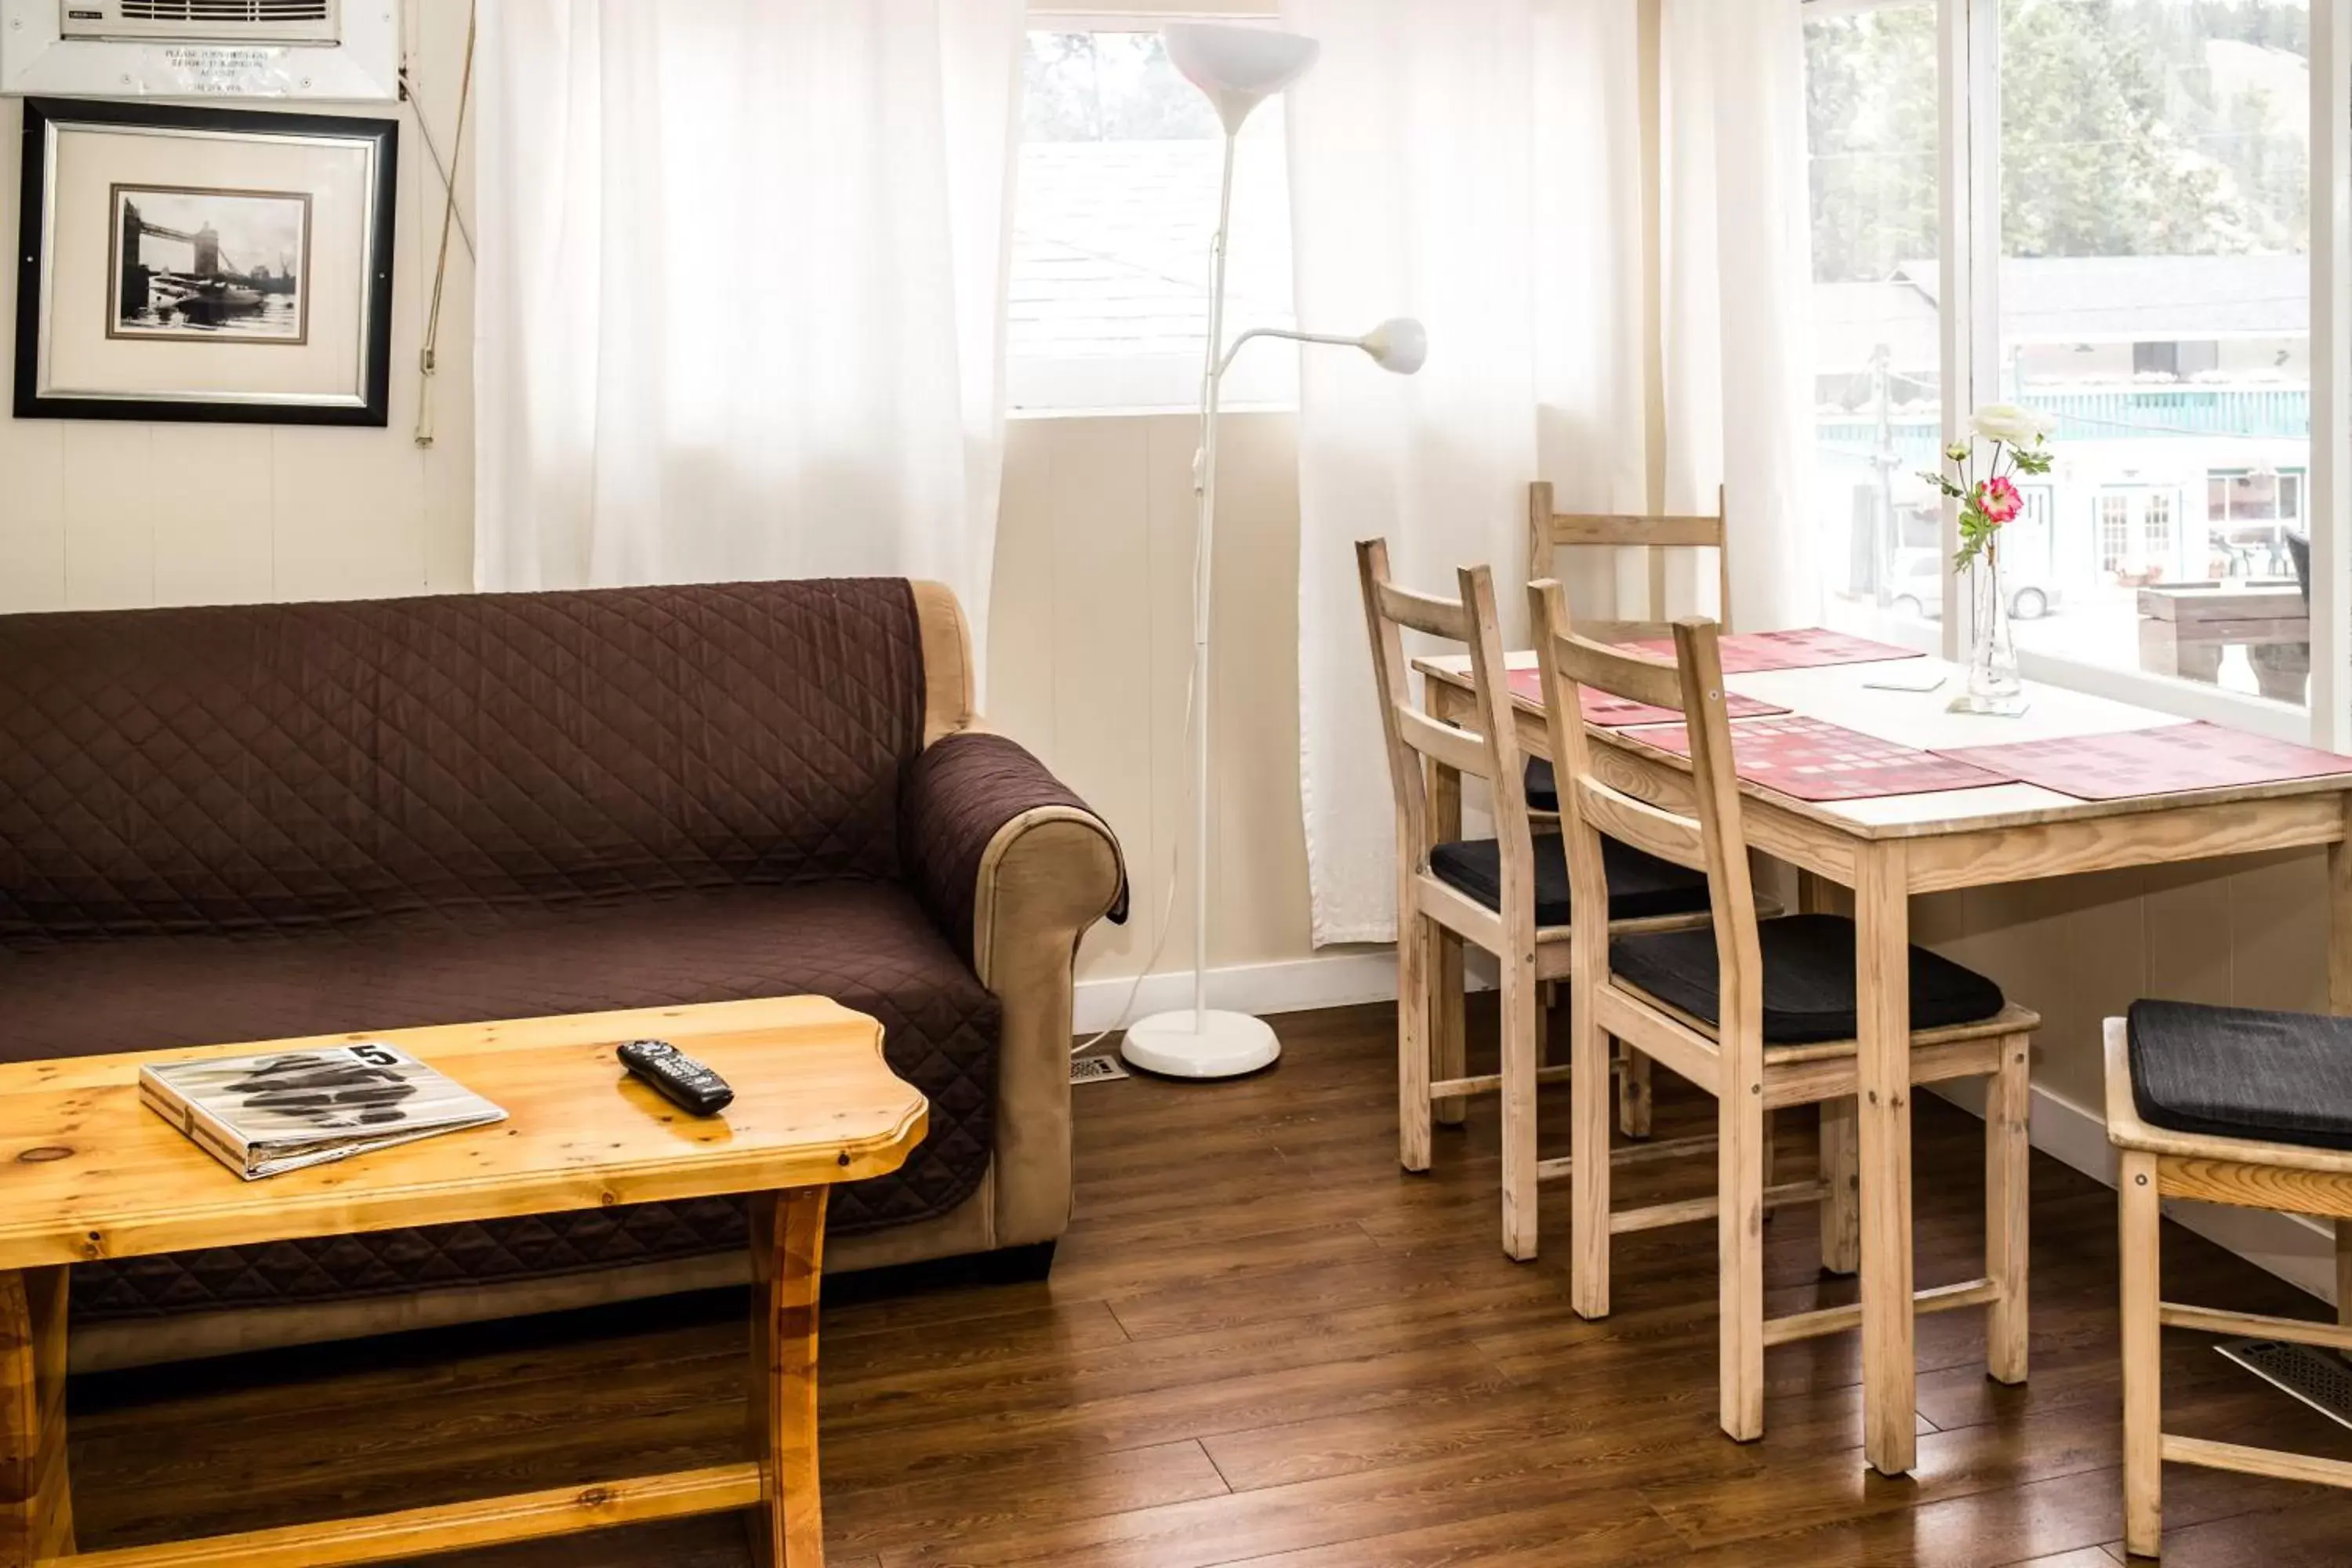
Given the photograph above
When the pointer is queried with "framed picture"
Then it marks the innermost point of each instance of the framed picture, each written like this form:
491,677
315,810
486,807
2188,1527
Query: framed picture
214,264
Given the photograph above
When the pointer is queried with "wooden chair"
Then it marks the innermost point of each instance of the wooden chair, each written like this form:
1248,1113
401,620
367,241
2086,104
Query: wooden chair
1748,1011
2222,1105
1507,894
1549,533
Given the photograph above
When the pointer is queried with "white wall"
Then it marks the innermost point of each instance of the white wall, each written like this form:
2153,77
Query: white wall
101,514
1090,653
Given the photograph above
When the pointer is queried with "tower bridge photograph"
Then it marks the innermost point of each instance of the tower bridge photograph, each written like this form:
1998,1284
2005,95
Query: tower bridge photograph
210,264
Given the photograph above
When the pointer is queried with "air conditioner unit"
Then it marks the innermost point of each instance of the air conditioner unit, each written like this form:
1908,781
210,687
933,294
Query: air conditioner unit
205,21
347,49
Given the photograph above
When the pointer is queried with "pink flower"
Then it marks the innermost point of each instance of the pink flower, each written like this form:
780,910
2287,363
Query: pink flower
1998,500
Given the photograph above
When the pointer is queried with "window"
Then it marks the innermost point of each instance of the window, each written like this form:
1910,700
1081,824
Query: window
2157,516
2115,531
1116,203
2155,159
1871,94
2139,272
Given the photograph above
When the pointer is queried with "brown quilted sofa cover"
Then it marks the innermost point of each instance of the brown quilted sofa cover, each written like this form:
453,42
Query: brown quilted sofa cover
265,821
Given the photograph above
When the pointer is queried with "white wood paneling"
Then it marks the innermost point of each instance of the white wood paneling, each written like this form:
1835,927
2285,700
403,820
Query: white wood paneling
105,515
1090,654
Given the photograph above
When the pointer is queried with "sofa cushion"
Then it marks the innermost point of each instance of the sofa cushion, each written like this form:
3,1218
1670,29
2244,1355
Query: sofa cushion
869,945
258,766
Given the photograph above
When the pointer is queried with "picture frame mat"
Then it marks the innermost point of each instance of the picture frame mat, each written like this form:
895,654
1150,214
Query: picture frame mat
78,359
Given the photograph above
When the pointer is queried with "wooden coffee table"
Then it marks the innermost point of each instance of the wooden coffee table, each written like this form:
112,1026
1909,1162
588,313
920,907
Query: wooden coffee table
86,1172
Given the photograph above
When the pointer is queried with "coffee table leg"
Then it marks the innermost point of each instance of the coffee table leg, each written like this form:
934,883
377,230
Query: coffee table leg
35,1508
787,1263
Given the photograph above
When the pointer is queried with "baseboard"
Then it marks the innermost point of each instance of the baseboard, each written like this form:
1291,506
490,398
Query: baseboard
1295,986
2297,1249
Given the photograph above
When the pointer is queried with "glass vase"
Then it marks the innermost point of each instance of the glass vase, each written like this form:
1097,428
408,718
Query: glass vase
1993,683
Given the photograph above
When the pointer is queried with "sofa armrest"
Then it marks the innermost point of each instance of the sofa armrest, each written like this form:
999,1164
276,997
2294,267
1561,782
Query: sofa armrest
1015,867
999,849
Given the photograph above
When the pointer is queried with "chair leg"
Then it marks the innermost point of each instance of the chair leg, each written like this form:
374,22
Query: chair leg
2344,1272
1518,1053
1447,1029
2009,1151
1840,1172
1415,949
1739,1230
1633,1096
1588,1178
2142,1220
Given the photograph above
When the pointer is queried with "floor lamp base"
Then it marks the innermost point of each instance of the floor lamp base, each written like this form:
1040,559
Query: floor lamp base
1223,1045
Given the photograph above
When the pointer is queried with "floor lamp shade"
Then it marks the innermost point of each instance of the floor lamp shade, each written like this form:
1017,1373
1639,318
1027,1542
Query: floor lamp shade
1399,346
1237,67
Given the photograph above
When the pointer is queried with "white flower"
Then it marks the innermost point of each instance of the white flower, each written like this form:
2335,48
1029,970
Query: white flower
1957,451
2008,423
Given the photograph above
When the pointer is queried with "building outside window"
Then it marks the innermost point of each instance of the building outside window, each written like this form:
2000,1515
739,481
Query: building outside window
2252,513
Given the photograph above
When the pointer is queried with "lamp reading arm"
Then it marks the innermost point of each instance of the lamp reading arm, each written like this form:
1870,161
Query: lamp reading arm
1336,342
1398,346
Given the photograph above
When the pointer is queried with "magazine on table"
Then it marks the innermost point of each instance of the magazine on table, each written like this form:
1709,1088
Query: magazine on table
281,1111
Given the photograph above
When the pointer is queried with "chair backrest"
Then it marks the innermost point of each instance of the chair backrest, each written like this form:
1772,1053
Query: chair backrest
1416,742
1548,532
1702,832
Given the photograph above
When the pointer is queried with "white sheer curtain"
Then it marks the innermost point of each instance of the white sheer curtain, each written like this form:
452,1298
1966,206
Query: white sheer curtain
1738,290
1479,165
743,289
1476,164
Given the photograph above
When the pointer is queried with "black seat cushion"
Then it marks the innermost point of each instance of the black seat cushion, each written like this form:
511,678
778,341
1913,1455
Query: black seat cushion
2237,1072
1640,885
1809,992
1543,785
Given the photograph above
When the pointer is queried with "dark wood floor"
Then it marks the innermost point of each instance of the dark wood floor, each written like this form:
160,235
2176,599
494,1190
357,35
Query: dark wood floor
1263,1344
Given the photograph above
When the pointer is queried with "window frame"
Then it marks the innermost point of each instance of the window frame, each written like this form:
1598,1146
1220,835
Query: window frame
1969,142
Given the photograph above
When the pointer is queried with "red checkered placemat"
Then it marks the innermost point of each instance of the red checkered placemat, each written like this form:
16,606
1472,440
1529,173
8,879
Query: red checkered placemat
1612,713
1745,653
2162,761
1811,759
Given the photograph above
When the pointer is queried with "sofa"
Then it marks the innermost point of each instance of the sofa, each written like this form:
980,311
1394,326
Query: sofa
258,822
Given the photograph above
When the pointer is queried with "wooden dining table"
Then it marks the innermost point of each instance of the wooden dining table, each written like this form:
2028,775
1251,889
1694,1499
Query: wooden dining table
1888,848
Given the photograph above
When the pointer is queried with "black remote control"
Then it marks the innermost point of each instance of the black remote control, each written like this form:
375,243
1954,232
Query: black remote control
676,1076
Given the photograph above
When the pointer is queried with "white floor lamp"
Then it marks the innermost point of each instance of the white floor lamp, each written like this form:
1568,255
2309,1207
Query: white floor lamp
1238,69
